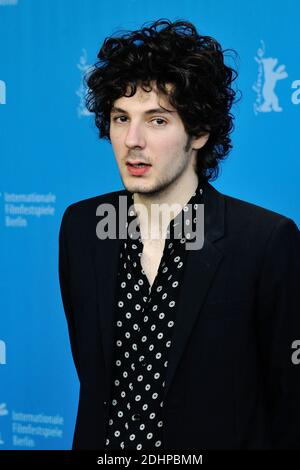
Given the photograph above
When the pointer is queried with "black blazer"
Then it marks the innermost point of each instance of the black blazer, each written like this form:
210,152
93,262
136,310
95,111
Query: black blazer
231,382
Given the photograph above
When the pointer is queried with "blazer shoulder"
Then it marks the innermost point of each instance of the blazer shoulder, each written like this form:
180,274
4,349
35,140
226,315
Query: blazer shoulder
249,213
246,220
86,208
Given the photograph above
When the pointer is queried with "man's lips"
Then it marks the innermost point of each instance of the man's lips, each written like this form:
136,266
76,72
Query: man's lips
138,170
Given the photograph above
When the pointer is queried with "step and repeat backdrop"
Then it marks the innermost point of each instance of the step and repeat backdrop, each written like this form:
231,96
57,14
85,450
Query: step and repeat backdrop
51,156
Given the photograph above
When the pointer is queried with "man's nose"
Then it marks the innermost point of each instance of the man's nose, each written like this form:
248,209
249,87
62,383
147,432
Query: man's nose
135,136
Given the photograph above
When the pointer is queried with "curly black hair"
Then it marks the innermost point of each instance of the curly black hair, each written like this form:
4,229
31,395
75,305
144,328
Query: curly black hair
169,52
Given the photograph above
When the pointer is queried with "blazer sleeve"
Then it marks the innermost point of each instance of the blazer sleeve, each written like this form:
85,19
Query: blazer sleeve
278,329
64,280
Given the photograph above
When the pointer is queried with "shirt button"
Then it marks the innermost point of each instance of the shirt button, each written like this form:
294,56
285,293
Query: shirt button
136,417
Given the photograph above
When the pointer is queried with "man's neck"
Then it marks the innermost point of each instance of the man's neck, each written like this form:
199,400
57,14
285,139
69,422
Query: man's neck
154,211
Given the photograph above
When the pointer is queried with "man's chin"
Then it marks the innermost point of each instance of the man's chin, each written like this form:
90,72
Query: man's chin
137,186
138,189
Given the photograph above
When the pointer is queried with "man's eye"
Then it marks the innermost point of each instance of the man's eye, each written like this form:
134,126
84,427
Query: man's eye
160,121
119,117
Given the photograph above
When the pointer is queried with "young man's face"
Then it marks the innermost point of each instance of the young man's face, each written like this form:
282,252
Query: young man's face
146,128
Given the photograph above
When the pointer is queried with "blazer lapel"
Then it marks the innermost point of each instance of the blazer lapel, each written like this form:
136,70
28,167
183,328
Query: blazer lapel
106,267
199,272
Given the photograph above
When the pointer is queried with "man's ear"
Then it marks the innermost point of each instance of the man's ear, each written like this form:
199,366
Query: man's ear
199,142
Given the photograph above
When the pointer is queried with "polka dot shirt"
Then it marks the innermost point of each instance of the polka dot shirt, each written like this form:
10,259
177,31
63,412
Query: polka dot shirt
145,319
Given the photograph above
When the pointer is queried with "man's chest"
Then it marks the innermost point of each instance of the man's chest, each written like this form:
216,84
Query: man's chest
151,257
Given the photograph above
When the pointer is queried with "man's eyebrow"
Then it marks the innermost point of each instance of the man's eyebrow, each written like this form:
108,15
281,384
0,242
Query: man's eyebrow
116,109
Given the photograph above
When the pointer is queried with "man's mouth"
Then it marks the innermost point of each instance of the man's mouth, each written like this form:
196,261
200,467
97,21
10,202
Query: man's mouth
138,168
137,165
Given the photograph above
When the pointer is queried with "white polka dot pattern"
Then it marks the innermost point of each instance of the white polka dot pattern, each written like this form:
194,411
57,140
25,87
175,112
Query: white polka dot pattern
145,320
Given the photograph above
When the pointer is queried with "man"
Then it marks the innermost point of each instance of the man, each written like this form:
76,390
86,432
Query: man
177,346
